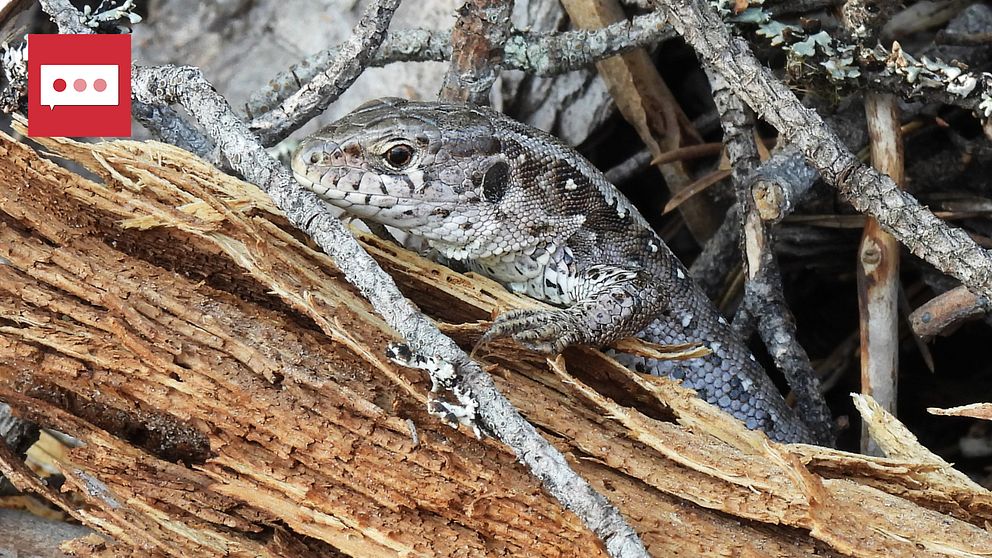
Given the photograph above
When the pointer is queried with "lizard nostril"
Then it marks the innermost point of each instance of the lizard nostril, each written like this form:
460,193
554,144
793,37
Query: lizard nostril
314,157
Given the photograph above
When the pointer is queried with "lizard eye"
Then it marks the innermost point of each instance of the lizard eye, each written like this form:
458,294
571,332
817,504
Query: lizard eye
399,156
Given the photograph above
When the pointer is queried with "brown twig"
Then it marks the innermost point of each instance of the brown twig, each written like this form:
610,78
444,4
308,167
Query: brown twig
477,41
947,310
878,271
692,189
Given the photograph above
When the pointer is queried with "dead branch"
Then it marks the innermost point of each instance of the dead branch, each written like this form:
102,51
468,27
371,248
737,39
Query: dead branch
878,270
477,42
947,248
350,61
947,310
780,184
539,54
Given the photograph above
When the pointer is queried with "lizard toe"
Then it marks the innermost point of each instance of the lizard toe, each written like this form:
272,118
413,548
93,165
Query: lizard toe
541,331
515,321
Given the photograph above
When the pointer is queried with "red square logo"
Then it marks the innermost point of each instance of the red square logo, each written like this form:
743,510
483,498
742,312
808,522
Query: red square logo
79,85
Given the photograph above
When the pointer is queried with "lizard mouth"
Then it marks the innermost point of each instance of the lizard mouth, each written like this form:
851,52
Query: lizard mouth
351,199
402,212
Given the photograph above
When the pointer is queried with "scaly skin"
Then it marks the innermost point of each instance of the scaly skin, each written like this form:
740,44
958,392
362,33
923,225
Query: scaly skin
516,204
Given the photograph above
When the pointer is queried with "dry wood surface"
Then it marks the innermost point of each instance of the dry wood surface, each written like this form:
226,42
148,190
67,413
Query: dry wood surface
232,399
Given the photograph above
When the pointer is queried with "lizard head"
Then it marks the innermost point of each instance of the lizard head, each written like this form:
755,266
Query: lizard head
435,170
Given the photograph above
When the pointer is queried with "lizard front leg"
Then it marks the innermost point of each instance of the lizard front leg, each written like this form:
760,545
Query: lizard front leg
610,303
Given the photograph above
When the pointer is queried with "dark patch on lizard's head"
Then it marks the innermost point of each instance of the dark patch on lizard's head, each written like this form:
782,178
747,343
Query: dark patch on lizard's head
404,163
495,182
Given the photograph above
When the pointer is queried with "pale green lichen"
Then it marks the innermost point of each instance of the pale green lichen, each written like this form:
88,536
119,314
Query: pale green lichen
775,31
840,69
751,15
809,46
838,57
101,15
927,72
985,107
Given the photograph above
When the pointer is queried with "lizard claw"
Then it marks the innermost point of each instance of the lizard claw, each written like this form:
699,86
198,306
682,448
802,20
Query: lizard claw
543,331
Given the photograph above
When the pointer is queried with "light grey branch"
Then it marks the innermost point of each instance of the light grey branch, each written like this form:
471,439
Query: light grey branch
166,125
535,53
407,45
625,170
314,97
781,183
548,54
947,248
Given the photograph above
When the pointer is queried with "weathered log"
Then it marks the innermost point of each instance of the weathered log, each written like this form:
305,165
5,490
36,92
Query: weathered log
231,394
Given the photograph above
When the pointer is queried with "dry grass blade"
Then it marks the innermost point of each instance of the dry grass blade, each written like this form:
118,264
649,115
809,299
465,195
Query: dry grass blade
661,352
975,410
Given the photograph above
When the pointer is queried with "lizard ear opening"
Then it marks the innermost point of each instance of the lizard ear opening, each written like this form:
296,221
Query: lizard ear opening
496,182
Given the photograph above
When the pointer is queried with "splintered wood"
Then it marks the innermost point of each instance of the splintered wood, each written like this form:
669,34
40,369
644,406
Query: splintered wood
232,397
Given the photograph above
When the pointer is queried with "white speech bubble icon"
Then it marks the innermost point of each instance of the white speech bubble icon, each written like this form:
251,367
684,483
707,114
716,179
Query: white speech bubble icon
79,84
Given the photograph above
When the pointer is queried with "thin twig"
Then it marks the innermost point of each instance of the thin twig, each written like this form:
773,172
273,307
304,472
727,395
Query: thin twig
764,300
630,167
407,45
947,310
314,97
